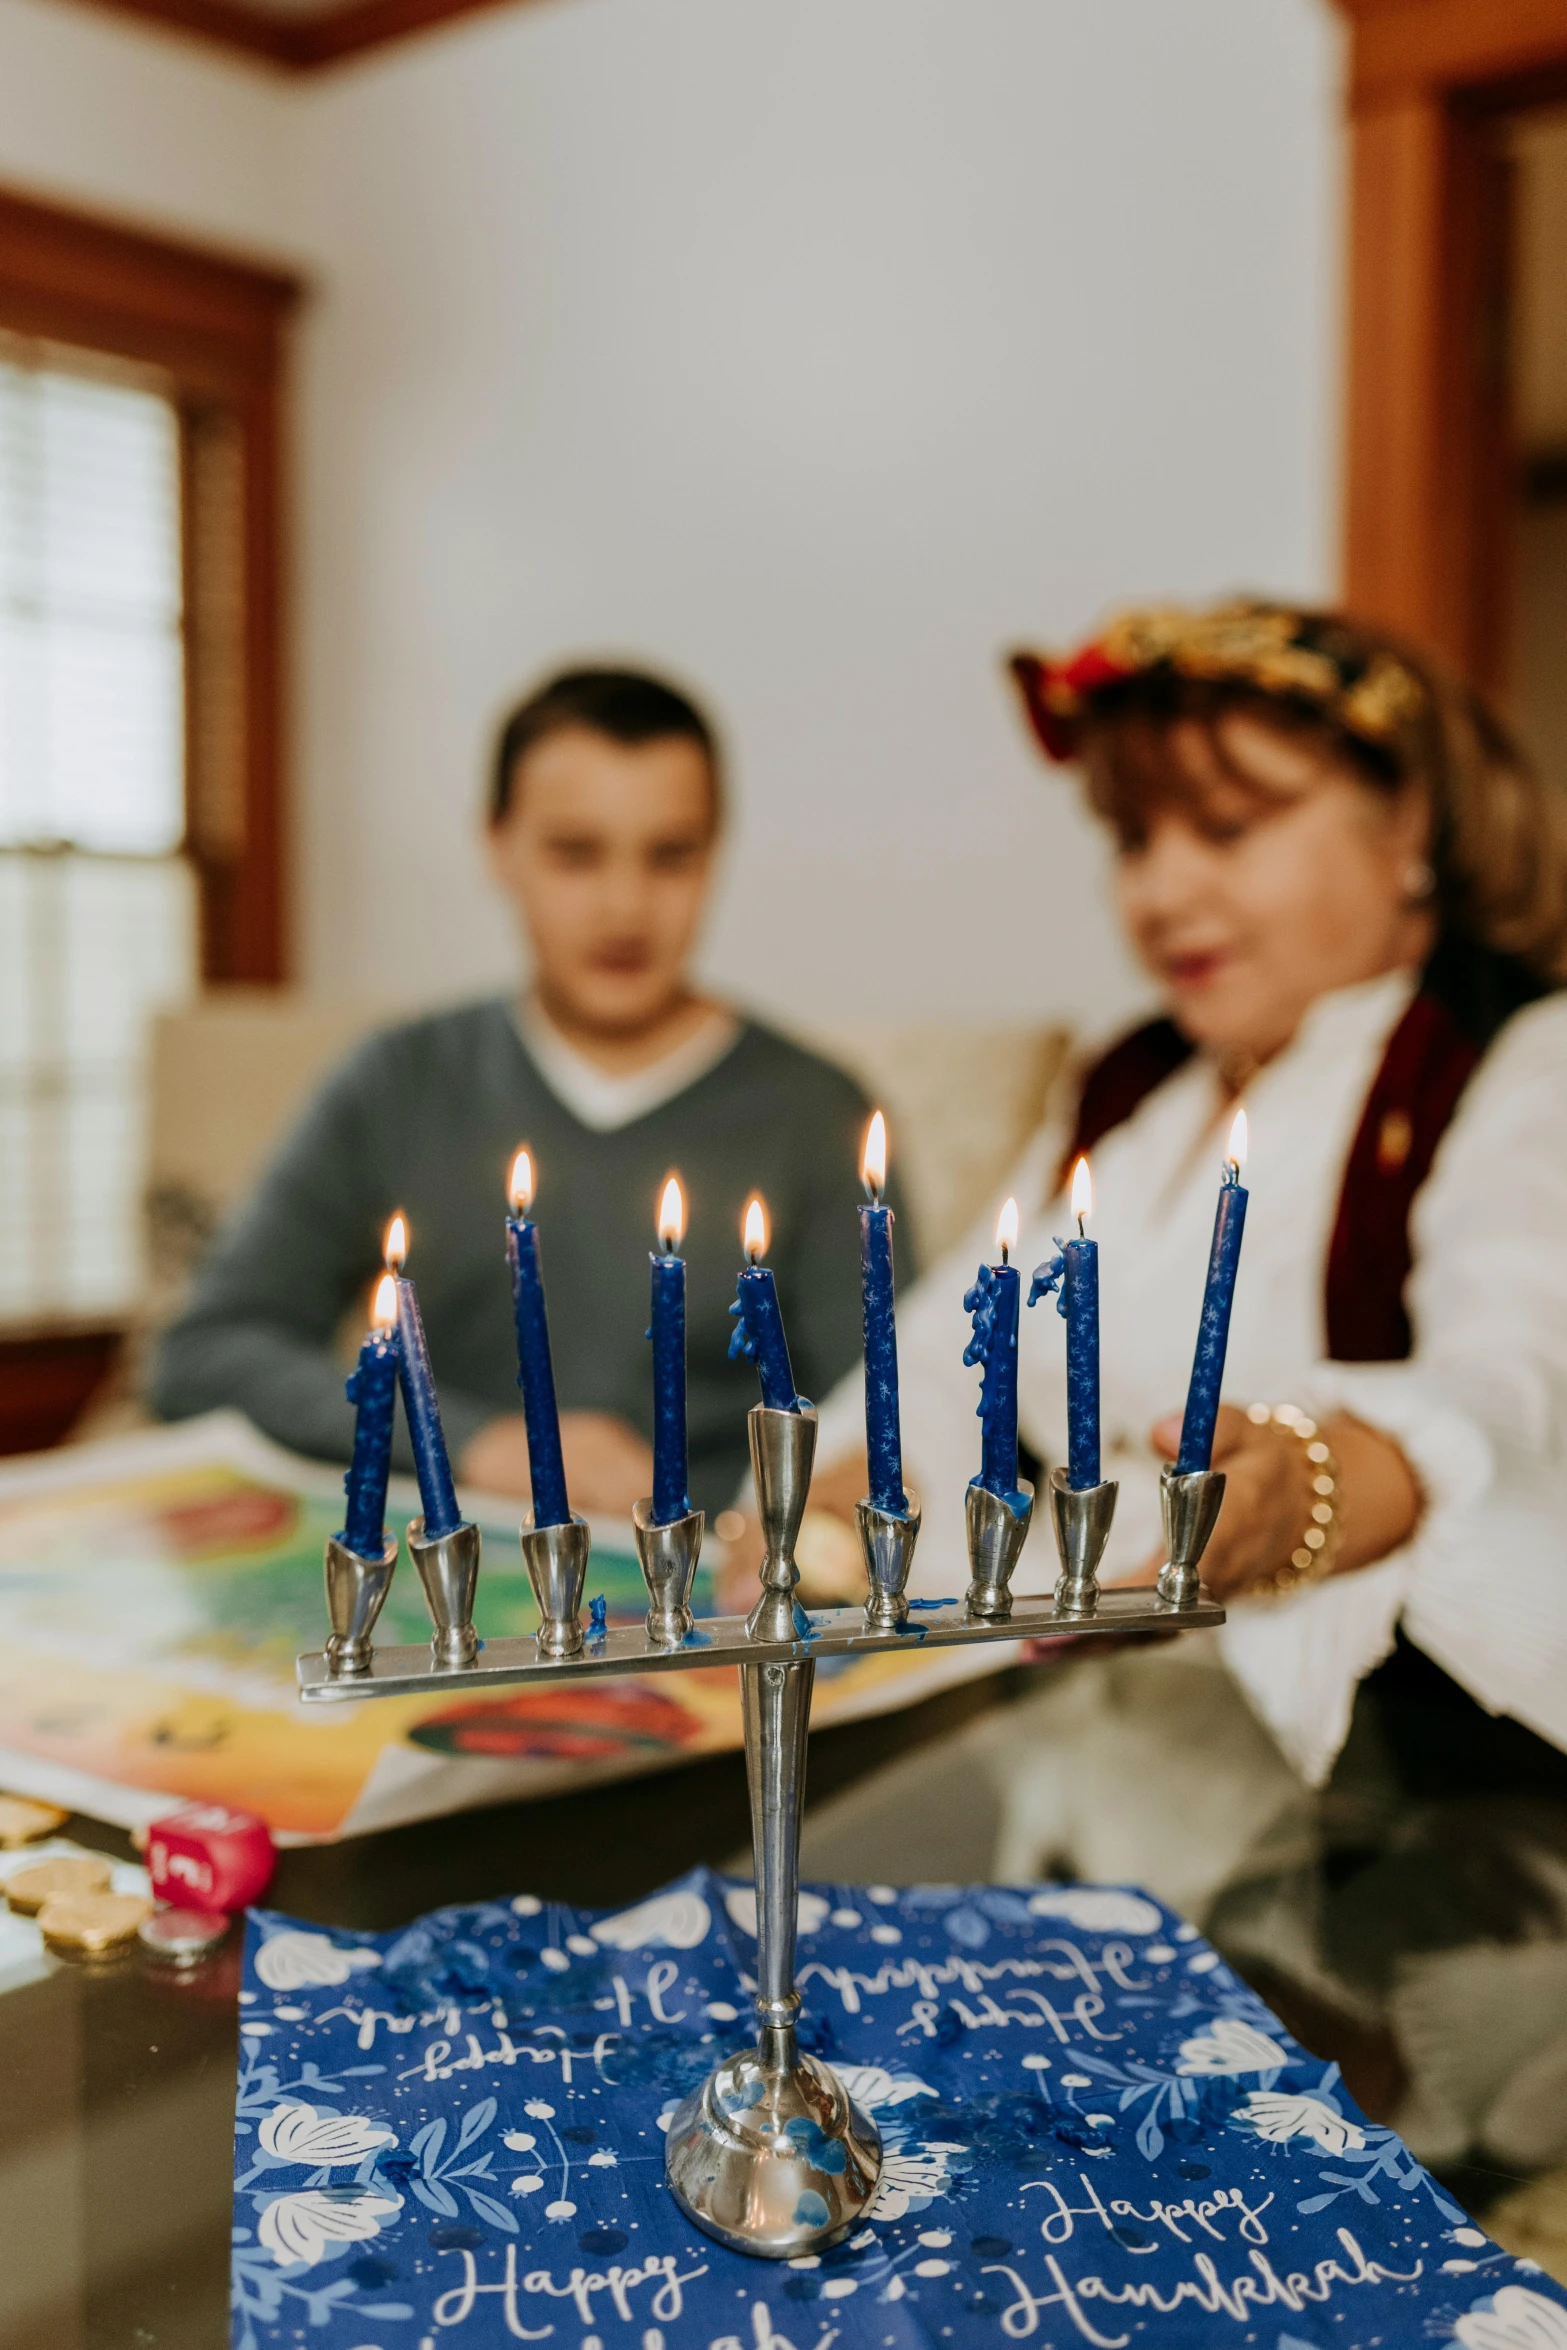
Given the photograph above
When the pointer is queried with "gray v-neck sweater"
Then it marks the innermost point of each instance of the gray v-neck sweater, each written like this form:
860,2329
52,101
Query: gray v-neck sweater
426,1117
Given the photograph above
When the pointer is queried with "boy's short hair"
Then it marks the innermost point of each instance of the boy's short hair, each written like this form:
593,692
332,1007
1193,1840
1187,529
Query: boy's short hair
628,705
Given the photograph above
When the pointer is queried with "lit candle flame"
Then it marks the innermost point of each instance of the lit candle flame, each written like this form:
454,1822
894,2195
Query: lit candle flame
1082,1193
394,1249
519,1183
873,1159
383,1306
672,1215
754,1229
1236,1152
1006,1229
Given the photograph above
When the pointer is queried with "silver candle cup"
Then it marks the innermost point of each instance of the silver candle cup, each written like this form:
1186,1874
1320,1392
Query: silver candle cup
996,1535
356,1590
1189,1504
1081,1518
668,1555
556,1558
448,1567
887,1542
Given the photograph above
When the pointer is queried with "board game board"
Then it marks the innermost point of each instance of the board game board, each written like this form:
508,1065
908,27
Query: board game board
155,1590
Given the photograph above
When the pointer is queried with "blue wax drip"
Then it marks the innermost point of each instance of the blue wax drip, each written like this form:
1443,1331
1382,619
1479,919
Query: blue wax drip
803,1627
598,1616
671,1472
372,1388
1213,1331
535,1374
696,1639
883,1436
436,1492
993,1305
759,1338
1075,1274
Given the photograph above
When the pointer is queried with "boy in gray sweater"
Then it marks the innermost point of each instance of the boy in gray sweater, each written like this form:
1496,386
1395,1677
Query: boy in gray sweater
605,814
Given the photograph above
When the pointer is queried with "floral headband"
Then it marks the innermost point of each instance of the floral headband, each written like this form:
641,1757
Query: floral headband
1302,657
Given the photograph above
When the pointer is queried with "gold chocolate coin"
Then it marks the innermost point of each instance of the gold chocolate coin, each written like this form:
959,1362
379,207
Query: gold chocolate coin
29,1889
23,1822
87,1923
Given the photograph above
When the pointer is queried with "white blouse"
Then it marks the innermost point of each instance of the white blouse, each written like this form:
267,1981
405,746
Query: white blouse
1480,1408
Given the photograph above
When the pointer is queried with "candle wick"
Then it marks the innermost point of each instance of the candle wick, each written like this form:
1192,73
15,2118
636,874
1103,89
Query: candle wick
1080,1224
1006,1254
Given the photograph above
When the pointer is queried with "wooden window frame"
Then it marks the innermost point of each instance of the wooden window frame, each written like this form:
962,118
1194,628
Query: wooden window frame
214,328
214,331
1430,473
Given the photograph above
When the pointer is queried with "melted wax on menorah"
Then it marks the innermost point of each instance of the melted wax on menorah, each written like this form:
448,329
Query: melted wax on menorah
770,2155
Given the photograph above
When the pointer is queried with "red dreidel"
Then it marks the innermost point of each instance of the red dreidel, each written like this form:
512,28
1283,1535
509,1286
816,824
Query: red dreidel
207,1857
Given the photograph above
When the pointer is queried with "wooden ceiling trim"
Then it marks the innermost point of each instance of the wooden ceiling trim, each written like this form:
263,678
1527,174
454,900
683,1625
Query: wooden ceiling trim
302,43
1450,44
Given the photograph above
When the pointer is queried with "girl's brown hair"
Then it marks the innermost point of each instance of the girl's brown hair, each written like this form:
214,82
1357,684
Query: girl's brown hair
1498,828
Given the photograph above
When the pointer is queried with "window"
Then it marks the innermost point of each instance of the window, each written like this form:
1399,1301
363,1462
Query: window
96,927
139,799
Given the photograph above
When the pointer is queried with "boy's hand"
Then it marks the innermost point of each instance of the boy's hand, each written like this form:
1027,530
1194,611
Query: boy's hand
608,1465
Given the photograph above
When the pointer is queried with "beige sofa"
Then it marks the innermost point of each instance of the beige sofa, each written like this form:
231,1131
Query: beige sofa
229,1074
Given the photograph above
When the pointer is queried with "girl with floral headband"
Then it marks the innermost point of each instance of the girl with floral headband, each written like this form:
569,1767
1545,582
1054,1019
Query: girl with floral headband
1351,893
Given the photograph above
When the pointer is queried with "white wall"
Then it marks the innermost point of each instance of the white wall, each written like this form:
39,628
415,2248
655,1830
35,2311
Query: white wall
819,352
103,112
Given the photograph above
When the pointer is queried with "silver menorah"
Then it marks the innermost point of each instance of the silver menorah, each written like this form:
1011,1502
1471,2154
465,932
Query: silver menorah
770,2155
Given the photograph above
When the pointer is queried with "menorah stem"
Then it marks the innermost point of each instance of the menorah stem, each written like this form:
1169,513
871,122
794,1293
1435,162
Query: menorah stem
776,1704
770,2155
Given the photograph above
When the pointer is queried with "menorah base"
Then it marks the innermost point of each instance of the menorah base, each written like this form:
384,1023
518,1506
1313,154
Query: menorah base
774,2163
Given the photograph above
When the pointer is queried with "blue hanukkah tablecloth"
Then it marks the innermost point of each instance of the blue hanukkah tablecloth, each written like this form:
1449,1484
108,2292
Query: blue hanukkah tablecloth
1094,2133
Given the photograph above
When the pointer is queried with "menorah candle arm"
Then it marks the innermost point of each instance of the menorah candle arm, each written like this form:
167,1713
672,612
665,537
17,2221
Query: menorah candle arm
783,1447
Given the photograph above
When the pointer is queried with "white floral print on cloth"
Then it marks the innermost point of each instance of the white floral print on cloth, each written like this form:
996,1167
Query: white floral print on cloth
1283,2118
1092,2133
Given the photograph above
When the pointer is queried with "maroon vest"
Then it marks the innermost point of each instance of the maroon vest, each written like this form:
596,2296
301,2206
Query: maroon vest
1465,995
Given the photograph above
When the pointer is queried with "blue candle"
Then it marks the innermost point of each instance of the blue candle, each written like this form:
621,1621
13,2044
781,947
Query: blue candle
759,1332
1076,1273
993,1303
535,1372
1213,1331
671,1471
883,1435
1080,1297
434,1470
372,1389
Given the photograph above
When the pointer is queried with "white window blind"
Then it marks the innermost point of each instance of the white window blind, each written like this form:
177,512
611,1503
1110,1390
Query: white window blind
97,922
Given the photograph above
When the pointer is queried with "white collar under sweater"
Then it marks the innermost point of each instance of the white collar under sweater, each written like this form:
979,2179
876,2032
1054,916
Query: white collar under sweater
605,1103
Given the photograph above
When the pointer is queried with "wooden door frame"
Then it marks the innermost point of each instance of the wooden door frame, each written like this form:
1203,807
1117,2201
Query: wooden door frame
1429,473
